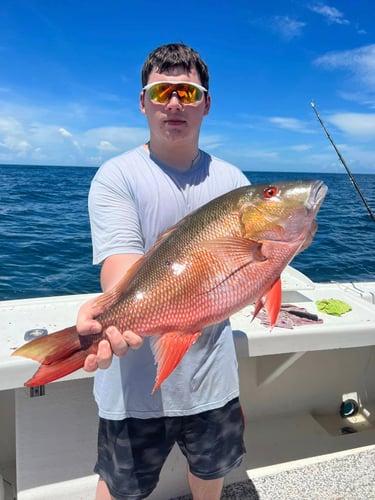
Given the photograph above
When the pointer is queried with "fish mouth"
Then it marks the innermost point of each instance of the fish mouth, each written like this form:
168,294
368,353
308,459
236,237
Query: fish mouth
317,194
304,227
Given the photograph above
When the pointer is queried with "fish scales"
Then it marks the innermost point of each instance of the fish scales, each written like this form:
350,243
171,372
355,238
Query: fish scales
181,282
227,254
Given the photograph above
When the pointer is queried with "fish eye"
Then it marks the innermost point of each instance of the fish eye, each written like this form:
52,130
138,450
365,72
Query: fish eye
270,192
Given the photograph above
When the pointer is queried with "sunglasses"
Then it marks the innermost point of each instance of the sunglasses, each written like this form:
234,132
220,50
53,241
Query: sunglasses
187,92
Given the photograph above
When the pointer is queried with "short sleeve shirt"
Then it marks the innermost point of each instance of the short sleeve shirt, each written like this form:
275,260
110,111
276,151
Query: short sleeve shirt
133,199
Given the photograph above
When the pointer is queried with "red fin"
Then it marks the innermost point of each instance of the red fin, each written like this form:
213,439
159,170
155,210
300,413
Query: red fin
52,347
258,306
235,251
168,350
49,373
271,302
60,354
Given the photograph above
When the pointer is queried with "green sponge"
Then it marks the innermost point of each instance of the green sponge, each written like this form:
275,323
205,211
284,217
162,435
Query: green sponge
333,306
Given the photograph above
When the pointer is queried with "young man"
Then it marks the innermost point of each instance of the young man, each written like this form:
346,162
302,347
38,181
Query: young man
133,199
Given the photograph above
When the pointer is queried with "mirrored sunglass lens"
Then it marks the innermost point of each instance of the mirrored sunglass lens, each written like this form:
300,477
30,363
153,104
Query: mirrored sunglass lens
189,93
155,92
161,92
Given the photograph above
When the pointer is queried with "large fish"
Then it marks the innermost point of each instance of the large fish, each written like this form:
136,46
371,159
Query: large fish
226,255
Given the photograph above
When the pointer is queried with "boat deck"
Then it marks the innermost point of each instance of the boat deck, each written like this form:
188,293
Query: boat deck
344,475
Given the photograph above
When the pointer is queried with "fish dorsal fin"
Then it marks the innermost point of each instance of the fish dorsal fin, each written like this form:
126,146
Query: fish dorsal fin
235,251
271,301
110,297
169,231
168,350
165,235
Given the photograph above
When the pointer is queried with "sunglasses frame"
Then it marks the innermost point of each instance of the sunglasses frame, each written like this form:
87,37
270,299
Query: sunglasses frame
202,89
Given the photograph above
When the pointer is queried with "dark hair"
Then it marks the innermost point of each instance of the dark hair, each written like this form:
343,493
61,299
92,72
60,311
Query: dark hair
172,55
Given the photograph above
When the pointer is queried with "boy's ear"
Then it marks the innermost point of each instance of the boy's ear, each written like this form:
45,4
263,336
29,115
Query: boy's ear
142,102
207,104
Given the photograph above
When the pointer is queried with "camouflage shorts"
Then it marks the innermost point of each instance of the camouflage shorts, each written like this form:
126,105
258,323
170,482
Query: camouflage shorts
131,452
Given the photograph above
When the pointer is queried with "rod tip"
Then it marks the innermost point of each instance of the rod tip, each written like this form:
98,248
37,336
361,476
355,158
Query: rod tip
312,103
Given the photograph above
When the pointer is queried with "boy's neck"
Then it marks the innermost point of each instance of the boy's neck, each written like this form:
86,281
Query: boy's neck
179,158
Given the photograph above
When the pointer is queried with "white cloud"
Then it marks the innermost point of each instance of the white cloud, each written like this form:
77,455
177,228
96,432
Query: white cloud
261,154
290,124
211,142
64,132
288,27
301,147
331,14
12,137
10,125
14,144
113,138
359,124
106,146
362,97
32,134
360,62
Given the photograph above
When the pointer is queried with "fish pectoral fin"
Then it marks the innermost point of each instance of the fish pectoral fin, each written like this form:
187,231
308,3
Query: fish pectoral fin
168,350
235,251
271,301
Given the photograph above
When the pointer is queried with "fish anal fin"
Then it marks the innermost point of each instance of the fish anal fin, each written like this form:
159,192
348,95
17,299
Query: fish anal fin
271,301
235,251
169,349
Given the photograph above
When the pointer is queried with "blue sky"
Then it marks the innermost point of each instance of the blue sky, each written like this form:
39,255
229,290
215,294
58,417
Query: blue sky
70,79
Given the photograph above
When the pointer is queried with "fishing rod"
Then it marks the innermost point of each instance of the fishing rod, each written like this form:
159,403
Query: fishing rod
343,162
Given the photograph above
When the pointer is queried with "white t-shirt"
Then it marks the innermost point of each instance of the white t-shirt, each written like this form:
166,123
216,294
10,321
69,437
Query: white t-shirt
133,199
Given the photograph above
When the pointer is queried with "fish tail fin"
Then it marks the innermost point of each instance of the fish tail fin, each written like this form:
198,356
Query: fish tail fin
52,347
58,369
59,353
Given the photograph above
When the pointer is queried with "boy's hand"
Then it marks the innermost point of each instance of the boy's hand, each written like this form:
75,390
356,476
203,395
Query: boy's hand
115,343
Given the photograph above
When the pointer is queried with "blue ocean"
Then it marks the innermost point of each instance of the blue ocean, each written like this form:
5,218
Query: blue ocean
45,246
